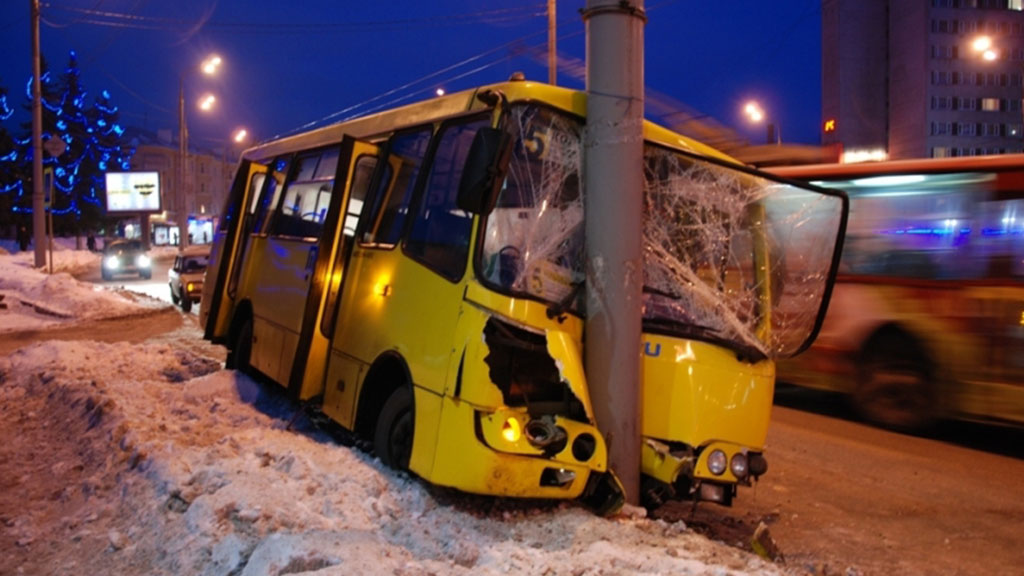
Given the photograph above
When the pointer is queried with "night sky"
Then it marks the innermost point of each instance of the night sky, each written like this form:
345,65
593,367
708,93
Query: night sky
289,64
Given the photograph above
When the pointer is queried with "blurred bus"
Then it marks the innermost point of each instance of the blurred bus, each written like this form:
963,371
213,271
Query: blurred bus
926,321
418,275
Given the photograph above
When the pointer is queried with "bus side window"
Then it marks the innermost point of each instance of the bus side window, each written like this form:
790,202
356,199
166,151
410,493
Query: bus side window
360,188
439,237
391,198
270,196
307,195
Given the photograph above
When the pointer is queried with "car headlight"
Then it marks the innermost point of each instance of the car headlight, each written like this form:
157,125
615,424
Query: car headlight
111,262
717,462
143,261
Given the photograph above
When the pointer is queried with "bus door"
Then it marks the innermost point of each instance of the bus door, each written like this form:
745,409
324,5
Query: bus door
231,236
404,291
284,268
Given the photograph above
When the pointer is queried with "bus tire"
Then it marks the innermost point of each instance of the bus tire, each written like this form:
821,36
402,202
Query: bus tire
241,349
894,384
392,438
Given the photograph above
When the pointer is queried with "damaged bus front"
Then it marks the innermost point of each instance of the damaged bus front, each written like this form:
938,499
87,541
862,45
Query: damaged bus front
737,269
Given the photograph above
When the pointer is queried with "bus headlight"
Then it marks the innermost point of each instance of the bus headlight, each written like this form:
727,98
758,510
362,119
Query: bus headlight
511,431
717,462
738,465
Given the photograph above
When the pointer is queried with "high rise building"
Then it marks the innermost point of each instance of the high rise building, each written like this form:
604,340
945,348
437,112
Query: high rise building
906,78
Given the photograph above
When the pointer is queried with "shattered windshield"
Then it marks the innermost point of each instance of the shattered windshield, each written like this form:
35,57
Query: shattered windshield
729,256
533,239
732,256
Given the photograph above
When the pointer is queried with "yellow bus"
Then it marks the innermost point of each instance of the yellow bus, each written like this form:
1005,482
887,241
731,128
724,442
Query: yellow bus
927,316
418,274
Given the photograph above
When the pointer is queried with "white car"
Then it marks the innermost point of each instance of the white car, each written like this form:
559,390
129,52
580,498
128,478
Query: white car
185,278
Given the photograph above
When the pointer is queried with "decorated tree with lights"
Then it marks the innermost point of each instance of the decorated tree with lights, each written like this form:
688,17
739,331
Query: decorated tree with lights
9,177
92,136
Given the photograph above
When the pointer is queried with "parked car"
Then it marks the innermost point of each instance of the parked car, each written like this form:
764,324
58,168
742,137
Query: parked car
186,277
126,257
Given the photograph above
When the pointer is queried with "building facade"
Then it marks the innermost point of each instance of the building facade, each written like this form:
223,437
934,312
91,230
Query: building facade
199,200
905,79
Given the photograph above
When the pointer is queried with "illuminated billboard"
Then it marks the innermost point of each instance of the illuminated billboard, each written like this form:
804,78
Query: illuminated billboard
133,191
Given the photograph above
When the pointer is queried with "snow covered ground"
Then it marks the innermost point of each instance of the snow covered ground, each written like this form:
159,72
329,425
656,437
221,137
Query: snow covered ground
151,458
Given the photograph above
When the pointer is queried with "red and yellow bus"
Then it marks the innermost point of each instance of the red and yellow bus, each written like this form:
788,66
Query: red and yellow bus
419,275
927,316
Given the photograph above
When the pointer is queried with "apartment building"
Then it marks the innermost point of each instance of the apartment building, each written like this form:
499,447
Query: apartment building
923,78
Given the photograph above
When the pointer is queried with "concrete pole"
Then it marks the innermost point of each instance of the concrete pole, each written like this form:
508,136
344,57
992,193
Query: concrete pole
181,194
38,200
613,180
552,45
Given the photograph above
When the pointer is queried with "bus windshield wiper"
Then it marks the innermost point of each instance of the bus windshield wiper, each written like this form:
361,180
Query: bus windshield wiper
559,308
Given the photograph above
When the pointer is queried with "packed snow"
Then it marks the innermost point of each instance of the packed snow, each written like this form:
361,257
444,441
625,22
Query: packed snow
158,460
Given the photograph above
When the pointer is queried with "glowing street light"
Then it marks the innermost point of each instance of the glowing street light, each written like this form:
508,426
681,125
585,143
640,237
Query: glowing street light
209,67
983,45
756,114
241,135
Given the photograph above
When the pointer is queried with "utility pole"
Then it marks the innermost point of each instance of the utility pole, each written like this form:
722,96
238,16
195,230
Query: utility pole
552,45
38,200
613,180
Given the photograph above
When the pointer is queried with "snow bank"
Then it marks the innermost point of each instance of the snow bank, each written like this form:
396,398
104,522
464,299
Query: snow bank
195,469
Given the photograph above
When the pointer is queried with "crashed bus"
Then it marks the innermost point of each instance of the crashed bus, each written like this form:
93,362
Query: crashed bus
418,275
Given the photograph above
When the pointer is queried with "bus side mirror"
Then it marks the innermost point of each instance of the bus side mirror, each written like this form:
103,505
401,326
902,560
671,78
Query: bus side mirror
484,172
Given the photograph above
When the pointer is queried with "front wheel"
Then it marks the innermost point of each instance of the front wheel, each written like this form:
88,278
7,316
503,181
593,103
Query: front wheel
392,440
186,304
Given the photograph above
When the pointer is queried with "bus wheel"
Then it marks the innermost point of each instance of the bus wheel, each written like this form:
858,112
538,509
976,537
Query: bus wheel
894,388
392,440
241,351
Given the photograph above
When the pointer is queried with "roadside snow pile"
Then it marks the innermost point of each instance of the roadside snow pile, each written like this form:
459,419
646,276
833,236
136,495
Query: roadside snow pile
37,299
160,462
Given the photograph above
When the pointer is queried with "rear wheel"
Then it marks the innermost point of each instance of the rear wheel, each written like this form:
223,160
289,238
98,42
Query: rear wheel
894,388
241,351
392,440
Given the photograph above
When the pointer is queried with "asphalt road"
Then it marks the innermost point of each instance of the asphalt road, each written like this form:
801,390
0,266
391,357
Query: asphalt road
842,497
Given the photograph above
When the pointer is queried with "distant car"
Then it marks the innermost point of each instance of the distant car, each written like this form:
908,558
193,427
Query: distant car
126,257
186,277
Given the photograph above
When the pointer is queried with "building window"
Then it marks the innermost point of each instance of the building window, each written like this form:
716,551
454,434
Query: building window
940,152
990,104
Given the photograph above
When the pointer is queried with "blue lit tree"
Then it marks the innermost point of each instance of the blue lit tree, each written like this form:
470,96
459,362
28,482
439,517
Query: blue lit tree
93,138
8,152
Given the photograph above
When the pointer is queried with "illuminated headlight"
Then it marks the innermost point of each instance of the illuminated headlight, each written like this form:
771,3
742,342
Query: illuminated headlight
111,262
717,462
143,261
738,465
511,431
190,287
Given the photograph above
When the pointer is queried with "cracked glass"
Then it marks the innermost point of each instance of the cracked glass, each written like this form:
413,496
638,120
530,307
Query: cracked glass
729,255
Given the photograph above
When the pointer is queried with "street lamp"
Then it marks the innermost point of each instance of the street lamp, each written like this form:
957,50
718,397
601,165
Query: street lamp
208,67
985,48
756,114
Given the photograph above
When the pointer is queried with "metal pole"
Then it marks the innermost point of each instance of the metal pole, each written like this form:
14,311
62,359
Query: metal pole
38,201
181,194
552,45
613,180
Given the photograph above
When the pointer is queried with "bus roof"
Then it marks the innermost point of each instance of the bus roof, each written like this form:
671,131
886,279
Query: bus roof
455,104
996,163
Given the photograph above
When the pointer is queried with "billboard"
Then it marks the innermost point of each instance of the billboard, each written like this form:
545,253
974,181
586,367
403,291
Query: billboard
133,192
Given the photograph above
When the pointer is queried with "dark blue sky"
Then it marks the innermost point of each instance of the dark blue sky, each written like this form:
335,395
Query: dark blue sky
289,63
